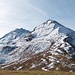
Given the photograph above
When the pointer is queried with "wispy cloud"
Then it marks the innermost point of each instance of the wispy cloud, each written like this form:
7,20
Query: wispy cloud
29,13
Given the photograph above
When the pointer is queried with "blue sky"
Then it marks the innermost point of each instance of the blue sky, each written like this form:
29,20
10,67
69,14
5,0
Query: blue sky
30,13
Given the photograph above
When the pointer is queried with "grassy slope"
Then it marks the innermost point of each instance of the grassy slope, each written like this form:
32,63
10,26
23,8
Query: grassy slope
35,73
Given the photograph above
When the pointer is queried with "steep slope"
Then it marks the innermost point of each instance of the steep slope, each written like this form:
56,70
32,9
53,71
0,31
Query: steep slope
49,46
51,27
11,42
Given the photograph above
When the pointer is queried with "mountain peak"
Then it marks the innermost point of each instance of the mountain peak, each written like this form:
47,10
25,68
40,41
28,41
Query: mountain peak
49,26
53,22
19,30
15,34
49,21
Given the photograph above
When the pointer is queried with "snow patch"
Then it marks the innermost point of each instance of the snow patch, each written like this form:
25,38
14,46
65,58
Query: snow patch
51,65
33,66
43,68
19,68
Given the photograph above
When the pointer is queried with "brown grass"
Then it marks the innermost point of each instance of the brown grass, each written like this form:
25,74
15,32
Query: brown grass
35,72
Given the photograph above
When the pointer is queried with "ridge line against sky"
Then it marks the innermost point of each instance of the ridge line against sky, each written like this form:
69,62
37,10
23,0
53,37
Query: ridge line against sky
28,14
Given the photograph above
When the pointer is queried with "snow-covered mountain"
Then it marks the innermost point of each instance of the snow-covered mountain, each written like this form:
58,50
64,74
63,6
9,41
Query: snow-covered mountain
49,46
